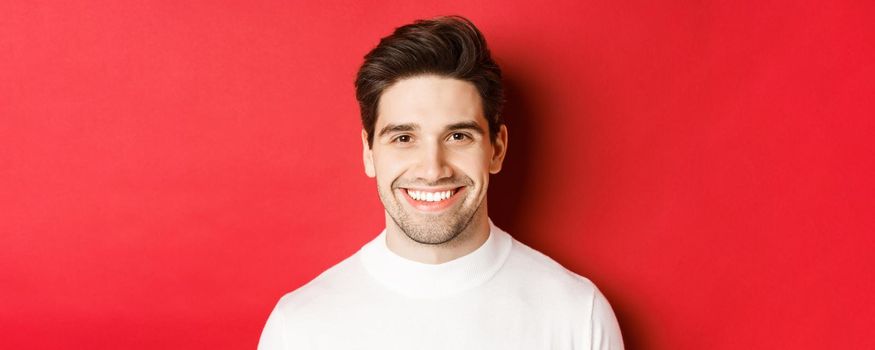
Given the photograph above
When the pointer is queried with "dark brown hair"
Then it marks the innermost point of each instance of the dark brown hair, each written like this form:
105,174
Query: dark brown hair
447,46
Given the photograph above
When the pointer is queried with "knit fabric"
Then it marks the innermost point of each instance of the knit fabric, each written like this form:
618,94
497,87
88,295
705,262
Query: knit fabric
504,295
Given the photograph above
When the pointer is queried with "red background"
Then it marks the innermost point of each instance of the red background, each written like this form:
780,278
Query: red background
169,169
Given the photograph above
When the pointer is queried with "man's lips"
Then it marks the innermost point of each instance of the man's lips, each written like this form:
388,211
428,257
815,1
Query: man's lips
432,199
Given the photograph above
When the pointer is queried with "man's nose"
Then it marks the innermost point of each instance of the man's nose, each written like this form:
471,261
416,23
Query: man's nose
432,165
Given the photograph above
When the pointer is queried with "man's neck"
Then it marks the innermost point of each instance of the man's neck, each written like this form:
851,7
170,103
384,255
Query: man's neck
467,241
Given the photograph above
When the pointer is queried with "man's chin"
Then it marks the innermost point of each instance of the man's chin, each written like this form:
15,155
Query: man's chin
424,221
430,234
432,228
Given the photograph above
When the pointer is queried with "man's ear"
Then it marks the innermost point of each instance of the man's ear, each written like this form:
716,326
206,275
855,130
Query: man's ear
499,149
367,155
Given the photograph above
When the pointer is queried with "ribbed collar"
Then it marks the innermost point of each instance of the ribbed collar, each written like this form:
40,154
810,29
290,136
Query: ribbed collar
419,280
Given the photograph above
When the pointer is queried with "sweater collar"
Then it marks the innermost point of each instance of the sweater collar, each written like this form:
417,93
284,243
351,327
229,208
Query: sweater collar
420,280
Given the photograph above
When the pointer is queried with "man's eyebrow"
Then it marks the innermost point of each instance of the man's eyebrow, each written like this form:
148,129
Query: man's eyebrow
397,127
469,125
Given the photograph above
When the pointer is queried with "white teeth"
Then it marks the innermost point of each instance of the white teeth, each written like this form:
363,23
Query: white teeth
430,196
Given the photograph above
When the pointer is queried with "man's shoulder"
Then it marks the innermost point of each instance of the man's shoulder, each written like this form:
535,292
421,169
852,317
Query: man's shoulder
534,269
331,285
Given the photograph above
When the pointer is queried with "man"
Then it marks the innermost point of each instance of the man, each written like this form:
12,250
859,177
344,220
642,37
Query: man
441,275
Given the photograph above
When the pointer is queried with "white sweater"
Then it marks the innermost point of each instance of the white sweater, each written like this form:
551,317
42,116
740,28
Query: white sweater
504,295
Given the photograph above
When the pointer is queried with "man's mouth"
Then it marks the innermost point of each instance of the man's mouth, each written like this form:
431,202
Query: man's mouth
430,196
432,199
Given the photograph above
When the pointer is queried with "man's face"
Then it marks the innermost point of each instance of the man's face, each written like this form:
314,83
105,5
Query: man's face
432,156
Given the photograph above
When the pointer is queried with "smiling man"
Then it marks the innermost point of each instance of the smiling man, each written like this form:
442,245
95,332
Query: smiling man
441,275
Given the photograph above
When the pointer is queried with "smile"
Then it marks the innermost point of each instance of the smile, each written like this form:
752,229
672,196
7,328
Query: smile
432,200
430,196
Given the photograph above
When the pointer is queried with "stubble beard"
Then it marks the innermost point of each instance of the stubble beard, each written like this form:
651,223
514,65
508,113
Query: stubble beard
428,229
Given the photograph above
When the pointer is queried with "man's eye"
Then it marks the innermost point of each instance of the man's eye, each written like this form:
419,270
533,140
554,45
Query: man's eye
457,136
403,138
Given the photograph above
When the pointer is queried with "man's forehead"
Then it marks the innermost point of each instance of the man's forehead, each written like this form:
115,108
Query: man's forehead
430,102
